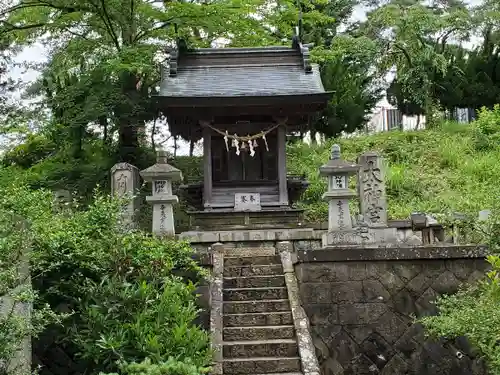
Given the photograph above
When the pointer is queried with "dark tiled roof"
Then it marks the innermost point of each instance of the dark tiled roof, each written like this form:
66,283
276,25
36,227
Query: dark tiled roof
236,72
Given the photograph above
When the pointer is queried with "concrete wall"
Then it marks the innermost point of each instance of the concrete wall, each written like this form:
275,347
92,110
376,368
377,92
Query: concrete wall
361,304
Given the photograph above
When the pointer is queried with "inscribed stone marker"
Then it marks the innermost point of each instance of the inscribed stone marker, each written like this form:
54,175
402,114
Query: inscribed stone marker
124,184
371,190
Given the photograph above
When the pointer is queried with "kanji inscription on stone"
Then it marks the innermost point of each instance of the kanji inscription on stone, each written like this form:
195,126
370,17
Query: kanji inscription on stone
247,202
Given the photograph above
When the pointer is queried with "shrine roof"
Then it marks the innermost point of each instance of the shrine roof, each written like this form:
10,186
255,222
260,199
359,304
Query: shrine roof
241,72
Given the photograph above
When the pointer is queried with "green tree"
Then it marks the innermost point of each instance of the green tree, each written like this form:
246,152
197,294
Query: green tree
347,70
345,61
413,38
106,51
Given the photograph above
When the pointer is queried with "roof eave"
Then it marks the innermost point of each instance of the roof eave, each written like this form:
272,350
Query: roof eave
246,100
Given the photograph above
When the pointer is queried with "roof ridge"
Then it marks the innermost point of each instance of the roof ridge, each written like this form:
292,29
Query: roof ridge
228,50
297,64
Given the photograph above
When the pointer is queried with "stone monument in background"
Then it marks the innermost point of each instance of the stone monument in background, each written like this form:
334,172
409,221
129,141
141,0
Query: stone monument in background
62,200
125,183
372,229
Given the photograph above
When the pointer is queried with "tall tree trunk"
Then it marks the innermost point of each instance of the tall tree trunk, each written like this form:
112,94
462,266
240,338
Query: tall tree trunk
313,137
128,141
78,132
106,139
128,117
191,148
175,147
153,133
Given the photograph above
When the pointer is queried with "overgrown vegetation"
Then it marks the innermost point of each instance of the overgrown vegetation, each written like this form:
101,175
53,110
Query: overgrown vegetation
102,70
16,293
473,311
453,168
121,293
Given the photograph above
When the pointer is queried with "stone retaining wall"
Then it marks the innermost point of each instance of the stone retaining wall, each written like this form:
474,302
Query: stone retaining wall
361,303
301,238
204,293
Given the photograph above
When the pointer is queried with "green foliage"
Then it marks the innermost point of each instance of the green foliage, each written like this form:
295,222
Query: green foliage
487,129
33,150
16,292
170,367
103,64
473,311
413,38
127,299
467,179
102,68
347,70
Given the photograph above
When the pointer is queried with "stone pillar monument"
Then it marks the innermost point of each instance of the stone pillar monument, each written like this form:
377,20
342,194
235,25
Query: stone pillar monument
338,195
62,201
161,175
372,229
124,183
371,189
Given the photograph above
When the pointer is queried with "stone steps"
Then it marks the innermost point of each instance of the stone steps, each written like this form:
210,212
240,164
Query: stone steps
253,270
261,348
258,332
243,307
253,294
264,281
249,252
258,319
261,365
255,260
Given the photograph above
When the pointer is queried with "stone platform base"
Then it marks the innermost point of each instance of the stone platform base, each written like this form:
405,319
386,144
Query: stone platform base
301,238
267,218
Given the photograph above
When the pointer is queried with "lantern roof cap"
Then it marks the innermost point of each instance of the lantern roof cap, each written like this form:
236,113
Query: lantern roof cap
336,165
161,170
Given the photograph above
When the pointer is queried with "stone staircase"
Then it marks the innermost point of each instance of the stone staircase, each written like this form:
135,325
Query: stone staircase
258,331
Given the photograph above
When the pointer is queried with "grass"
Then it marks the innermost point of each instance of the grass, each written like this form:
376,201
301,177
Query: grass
435,171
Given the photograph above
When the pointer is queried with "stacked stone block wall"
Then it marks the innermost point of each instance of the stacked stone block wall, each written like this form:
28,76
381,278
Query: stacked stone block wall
362,304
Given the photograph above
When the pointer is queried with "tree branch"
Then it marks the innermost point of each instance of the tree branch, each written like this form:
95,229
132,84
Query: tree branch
145,33
405,52
83,36
107,22
43,3
12,27
444,38
110,24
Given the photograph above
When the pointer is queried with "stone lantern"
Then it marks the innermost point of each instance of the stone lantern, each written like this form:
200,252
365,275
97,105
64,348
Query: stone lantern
161,175
338,195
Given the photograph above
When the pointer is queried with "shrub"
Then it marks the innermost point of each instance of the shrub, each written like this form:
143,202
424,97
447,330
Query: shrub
170,367
16,292
436,171
473,312
487,129
126,301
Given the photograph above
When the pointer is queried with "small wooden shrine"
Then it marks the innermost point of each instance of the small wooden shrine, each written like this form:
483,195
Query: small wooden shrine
242,102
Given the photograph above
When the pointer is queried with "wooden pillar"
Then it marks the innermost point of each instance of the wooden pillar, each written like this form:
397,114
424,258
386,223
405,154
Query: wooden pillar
283,188
207,166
